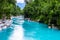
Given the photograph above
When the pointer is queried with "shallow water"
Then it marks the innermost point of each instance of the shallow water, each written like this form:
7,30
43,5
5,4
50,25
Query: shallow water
28,30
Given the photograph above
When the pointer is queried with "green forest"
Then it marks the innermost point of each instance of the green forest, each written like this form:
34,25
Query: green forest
9,8
45,11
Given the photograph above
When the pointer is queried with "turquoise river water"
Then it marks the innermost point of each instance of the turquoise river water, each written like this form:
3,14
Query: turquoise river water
28,30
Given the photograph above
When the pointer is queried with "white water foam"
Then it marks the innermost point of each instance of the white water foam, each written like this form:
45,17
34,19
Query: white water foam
18,33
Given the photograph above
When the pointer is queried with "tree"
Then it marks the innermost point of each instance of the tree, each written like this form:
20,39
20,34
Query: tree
8,8
47,11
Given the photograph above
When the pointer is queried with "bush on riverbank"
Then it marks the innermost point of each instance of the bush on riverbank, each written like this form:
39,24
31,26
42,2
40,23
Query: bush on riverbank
9,8
46,11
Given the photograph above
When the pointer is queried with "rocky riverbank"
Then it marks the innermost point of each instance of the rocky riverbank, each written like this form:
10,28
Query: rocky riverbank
4,24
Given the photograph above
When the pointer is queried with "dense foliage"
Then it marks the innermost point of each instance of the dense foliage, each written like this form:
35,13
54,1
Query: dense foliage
46,11
8,8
